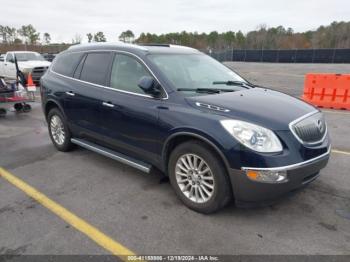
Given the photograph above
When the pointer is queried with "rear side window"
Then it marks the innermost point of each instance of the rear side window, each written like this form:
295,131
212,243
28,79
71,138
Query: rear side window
96,67
65,64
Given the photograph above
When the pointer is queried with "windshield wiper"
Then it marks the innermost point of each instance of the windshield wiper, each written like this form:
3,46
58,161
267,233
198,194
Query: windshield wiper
234,83
206,90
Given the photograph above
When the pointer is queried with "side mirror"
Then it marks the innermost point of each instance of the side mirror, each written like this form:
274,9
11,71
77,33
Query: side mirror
11,60
149,86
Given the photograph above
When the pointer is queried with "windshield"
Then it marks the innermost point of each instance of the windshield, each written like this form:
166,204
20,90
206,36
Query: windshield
190,73
29,57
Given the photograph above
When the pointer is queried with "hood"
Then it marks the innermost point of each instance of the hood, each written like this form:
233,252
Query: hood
32,64
268,108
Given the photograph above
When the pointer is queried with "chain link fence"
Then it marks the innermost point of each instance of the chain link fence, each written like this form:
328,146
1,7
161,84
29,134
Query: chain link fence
283,56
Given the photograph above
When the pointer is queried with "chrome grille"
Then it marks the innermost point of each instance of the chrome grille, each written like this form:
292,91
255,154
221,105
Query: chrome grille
310,129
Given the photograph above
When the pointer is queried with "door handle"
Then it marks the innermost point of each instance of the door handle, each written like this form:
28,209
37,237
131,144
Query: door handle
108,104
70,93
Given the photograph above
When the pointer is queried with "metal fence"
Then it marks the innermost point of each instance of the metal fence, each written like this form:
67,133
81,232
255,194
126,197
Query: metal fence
284,56
54,48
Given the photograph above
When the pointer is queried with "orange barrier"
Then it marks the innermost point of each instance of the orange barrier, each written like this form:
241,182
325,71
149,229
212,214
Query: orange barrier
327,90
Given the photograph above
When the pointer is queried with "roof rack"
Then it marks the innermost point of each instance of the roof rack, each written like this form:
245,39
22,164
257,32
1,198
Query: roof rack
118,43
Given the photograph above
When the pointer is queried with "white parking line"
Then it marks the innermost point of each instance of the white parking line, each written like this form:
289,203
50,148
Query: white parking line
340,152
338,112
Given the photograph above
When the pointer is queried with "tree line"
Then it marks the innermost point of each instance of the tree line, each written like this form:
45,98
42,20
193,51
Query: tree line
25,34
335,35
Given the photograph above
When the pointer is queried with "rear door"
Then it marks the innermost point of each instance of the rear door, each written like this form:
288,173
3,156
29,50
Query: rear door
129,117
84,99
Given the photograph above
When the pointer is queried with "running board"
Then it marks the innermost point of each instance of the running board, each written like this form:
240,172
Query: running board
112,154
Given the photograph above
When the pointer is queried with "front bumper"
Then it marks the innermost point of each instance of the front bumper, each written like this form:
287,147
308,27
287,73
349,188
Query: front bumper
250,193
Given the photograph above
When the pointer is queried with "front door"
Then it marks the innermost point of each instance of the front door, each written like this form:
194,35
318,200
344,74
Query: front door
129,117
9,66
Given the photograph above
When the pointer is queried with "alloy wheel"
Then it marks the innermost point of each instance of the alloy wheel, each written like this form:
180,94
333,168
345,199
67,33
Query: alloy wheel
57,130
194,178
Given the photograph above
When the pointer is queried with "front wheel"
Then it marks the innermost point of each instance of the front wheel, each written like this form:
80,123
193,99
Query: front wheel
199,177
58,130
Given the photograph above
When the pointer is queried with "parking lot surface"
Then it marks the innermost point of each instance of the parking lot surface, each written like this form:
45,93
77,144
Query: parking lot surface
141,211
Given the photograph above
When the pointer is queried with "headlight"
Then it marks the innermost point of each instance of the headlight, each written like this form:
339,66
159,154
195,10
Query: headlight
255,137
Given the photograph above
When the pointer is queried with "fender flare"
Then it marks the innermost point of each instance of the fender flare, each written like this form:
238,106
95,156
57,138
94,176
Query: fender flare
50,100
197,136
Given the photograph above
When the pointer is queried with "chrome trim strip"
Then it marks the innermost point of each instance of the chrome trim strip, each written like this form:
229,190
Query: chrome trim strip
107,87
302,118
289,167
212,107
107,104
110,155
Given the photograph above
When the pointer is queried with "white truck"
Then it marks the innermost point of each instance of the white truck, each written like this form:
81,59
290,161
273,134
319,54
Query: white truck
28,62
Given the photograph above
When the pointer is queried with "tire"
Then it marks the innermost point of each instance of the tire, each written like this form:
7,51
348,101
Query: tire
3,112
27,108
214,184
57,126
18,107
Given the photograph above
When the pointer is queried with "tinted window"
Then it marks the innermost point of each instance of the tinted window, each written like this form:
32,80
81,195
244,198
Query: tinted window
126,73
95,68
65,64
79,67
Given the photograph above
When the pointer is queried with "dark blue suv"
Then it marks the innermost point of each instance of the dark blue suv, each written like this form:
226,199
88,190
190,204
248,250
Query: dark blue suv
173,108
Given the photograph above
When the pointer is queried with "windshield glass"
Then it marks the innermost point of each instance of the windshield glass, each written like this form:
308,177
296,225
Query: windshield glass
29,57
190,72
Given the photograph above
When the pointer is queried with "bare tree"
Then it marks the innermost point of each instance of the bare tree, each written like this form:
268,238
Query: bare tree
90,37
77,39
47,38
29,34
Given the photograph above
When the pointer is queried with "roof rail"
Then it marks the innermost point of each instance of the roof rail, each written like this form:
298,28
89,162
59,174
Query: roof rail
154,44
119,43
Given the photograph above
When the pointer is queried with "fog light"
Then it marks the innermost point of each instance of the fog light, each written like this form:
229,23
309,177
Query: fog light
267,176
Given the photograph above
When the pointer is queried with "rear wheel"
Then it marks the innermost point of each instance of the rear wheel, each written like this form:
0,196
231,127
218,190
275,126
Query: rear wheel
58,130
199,177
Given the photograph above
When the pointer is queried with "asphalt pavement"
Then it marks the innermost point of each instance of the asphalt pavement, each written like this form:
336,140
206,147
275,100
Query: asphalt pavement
141,212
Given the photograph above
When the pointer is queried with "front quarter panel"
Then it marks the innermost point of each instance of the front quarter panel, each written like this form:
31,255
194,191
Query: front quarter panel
181,119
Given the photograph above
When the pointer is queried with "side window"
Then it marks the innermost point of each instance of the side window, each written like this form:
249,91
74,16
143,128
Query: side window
96,67
9,57
79,67
65,64
126,73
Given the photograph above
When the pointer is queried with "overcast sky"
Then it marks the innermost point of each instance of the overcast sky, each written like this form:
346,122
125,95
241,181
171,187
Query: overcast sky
65,18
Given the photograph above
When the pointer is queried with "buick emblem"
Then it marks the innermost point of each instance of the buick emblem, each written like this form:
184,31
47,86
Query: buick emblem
320,125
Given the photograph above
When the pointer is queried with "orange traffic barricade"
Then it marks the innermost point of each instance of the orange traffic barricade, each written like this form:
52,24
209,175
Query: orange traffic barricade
328,90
